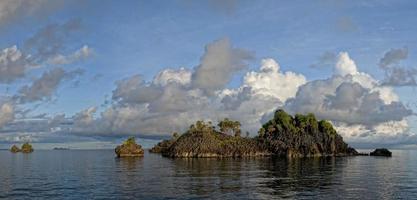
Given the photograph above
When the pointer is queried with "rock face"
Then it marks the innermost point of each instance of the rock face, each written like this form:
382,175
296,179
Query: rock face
381,152
129,149
203,141
284,135
14,149
26,148
162,146
302,136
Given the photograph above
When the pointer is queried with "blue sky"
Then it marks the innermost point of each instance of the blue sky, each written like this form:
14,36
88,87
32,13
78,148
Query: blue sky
147,37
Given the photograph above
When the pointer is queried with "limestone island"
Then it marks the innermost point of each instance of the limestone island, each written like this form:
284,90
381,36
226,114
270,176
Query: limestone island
26,148
284,135
14,149
129,149
381,152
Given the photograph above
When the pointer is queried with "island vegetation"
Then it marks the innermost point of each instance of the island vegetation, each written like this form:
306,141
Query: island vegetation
14,149
26,148
283,135
129,148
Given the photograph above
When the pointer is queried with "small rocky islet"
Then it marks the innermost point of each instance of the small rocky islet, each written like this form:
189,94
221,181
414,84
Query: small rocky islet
26,148
129,148
284,135
381,152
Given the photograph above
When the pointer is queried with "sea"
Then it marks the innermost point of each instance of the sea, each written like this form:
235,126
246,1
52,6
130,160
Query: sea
98,174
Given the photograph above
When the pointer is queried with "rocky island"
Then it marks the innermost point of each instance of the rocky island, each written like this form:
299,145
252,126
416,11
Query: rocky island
26,148
129,149
381,152
164,144
14,149
284,135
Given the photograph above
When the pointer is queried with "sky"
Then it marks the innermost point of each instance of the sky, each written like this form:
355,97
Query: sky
88,74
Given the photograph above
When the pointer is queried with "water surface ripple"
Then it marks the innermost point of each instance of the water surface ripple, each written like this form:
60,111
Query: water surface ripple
97,174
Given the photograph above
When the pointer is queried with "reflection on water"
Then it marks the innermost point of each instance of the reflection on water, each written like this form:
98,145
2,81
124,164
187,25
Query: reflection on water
99,175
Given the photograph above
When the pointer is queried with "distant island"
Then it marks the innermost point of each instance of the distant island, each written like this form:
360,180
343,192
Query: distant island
26,148
129,148
60,148
283,135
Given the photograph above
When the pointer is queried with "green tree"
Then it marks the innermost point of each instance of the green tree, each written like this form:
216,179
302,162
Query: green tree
326,127
230,127
261,132
130,140
175,135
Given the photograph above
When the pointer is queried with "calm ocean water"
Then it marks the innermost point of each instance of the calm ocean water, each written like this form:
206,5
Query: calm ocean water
97,174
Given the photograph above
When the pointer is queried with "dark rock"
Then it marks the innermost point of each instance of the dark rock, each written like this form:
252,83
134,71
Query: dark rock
60,148
362,154
26,148
381,152
14,149
129,149
162,146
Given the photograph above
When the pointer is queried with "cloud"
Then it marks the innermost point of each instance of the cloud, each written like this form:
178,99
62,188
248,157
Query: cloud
6,113
13,64
45,86
326,59
135,90
11,10
46,47
358,105
170,102
49,41
350,99
80,54
345,65
219,62
393,56
396,75
270,81
181,76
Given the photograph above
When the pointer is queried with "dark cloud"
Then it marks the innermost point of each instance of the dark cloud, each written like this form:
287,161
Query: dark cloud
340,99
327,59
395,74
45,47
400,76
134,90
46,85
393,56
11,10
219,62
50,40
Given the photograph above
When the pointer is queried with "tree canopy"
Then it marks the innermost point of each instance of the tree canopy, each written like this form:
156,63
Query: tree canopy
230,127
